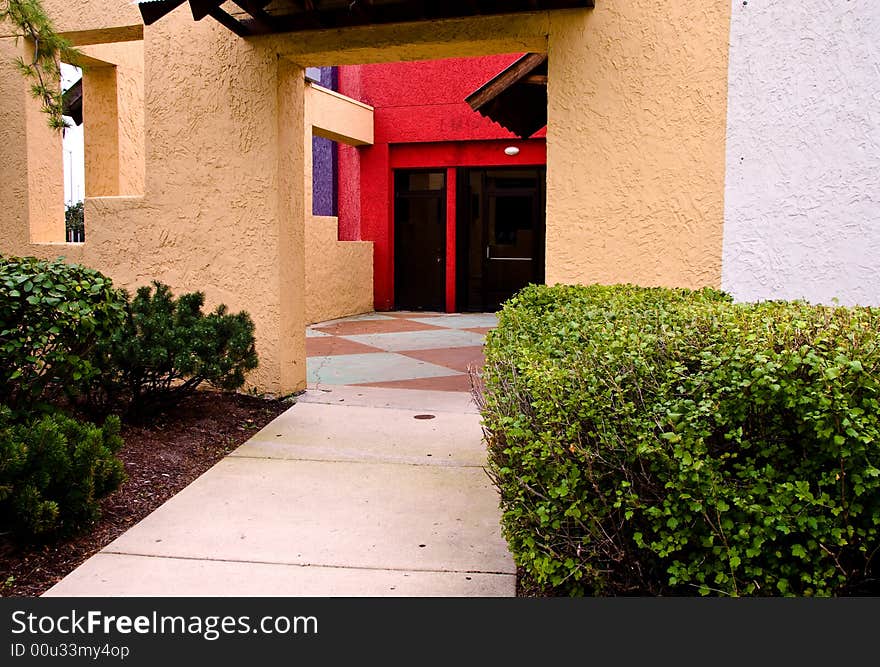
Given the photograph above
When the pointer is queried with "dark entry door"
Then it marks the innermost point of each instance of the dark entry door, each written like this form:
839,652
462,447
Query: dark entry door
420,240
505,230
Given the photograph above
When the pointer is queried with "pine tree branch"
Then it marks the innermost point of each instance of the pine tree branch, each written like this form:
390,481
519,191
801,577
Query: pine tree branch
29,20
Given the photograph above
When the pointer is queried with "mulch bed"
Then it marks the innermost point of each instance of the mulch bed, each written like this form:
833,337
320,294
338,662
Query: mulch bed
161,458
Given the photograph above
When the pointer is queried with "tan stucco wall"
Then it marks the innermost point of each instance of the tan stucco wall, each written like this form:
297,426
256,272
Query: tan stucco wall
31,151
113,106
101,132
636,127
91,21
635,153
339,274
31,166
339,118
635,143
222,210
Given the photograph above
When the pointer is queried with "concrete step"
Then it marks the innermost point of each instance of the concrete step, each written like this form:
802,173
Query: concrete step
345,494
381,397
335,514
108,575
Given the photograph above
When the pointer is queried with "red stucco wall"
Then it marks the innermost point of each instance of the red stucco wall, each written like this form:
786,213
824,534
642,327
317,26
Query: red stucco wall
421,120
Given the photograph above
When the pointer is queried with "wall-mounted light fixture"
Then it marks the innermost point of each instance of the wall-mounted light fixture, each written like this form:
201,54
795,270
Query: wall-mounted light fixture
511,151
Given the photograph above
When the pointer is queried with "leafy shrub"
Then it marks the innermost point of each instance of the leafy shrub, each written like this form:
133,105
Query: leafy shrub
52,315
53,472
651,441
168,347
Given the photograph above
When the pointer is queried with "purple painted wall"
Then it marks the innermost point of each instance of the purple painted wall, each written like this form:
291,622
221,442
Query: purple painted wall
325,153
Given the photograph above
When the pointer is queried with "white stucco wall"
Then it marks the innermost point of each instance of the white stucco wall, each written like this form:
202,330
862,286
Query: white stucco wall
802,194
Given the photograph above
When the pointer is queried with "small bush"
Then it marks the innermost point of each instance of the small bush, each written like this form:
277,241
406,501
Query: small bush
665,442
168,347
53,472
52,315
74,219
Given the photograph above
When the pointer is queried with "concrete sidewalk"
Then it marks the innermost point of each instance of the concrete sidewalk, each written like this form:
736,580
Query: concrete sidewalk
351,492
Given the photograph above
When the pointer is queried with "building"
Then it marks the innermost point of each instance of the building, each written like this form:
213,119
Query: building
720,143
437,183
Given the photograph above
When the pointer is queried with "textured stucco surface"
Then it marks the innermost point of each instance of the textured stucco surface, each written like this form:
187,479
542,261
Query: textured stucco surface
425,100
221,211
419,105
126,60
324,159
635,143
429,40
635,151
101,131
339,118
802,215
339,274
89,22
31,165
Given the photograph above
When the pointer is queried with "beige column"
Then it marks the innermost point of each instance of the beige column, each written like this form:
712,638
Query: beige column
31,165
15,230
635,143
294,207
101,136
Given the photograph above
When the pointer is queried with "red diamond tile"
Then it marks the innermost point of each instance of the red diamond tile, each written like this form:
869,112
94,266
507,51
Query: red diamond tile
331,346
456,358
357,327
445,383
407,315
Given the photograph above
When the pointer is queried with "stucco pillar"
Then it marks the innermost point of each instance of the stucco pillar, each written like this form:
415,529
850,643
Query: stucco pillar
113,84
101,136
294,206
13,152
635,143
31,166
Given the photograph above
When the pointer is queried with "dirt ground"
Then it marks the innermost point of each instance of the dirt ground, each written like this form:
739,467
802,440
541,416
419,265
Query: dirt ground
161,458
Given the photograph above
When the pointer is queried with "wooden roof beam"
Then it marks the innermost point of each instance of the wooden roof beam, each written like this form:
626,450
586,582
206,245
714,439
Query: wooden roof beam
72,101
264,21
202,8
153,11
279,16
522,68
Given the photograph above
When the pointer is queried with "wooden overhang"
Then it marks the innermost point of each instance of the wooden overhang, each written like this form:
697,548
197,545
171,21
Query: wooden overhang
258,17
72,102
516,98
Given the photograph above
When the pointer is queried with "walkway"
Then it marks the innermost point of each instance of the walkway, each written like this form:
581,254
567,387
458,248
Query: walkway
356,490
398,350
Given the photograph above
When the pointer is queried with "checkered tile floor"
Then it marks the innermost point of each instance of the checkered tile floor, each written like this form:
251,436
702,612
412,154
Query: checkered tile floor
400,350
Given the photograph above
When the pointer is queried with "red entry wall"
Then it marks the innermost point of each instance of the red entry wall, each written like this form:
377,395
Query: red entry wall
421,120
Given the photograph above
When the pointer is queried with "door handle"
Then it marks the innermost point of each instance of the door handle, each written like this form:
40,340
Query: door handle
506,259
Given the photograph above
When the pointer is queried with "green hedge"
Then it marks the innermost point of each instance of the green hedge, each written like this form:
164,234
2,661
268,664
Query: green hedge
70,341
52,317
65,331
168,347
667,442
53,472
